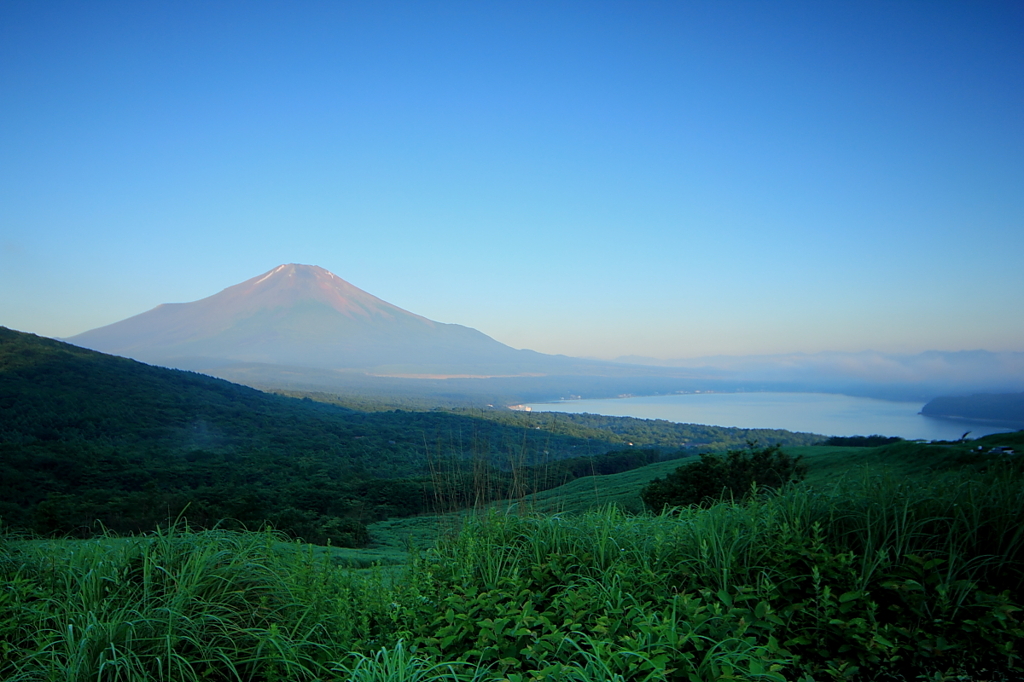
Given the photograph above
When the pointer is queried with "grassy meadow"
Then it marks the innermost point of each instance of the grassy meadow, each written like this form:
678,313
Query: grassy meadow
907,562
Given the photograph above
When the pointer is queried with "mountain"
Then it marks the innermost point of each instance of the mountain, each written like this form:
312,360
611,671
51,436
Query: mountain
304,316
302,328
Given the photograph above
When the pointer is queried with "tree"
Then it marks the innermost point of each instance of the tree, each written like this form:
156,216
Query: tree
715,477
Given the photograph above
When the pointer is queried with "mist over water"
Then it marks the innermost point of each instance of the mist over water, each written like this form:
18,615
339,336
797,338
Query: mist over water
824,413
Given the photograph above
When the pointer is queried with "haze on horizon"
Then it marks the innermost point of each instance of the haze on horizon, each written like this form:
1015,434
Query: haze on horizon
662,179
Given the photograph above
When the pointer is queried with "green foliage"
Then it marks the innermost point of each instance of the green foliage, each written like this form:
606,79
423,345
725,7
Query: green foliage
176,605
733,476
832,577
400,664
876,577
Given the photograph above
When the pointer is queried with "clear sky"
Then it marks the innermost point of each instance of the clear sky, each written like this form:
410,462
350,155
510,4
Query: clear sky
670,179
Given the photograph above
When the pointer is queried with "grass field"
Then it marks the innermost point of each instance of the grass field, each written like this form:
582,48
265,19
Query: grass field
824,464
623,489
896,563
389,540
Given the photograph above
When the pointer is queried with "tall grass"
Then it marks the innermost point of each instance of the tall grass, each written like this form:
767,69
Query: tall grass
174,605
880,568
876,575
973,524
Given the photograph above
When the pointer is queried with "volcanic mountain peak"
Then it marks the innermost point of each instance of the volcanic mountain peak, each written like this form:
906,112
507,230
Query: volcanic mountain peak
295,315
292,283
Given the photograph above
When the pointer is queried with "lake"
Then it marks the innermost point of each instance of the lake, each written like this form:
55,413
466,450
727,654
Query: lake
825,413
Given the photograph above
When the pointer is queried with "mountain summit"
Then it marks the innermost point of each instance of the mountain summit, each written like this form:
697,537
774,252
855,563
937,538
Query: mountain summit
301,316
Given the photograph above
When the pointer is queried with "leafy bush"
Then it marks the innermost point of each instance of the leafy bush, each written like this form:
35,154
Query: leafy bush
714,477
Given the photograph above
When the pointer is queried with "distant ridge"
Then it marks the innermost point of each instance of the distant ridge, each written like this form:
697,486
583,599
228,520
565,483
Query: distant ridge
1000,408
307,317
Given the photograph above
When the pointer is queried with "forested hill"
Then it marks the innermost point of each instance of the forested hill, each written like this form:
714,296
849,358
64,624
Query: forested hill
86,436
1003,408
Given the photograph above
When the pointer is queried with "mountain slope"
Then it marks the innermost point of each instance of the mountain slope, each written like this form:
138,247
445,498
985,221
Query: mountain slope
86,436
303,316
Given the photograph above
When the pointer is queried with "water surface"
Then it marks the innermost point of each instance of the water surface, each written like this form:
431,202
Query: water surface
825,413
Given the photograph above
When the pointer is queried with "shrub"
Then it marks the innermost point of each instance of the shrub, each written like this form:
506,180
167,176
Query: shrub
715,477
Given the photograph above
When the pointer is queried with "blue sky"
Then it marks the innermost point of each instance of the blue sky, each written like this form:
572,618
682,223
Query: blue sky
595,178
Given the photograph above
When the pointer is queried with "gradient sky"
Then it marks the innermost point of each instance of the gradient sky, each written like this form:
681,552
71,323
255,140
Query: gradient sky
596,178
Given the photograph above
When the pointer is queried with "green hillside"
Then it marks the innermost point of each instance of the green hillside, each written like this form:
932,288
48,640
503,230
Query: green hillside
89,440
89,437
591,492
825,465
